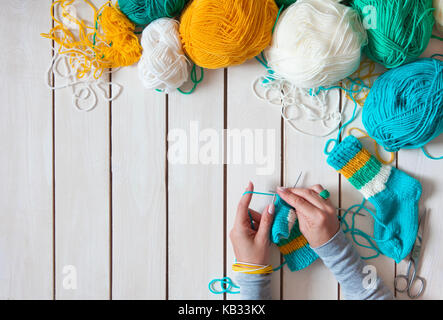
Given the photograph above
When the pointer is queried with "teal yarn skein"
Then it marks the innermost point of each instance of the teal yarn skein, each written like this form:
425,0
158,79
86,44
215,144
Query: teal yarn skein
398,30
285,3
143,12
404,109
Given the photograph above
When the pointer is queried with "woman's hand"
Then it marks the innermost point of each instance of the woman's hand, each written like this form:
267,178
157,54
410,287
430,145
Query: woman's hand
317,217
252,244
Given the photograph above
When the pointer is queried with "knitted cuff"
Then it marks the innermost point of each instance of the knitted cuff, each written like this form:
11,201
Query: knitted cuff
361,168
344,152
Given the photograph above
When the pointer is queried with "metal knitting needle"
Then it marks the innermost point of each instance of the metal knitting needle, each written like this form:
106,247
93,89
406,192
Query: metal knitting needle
296,182
298,179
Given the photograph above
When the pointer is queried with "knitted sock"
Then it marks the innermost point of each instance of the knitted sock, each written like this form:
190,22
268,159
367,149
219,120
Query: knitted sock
286,234
393,193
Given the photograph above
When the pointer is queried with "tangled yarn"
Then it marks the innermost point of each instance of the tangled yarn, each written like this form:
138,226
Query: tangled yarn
316,43
398,30
163,65
109,42
221,33
86,91
143,12
404,108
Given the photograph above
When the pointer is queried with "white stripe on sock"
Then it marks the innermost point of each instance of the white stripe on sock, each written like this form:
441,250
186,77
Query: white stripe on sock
378,183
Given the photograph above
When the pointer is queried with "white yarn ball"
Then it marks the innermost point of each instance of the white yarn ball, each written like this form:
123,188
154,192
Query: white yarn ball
316,43
163,64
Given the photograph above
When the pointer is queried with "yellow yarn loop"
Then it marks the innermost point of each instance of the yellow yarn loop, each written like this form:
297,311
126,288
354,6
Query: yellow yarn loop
376,146
366,73
221,33
251,268
109,43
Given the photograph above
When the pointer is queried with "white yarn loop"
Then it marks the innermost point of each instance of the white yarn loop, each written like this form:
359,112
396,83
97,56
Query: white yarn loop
316,43
84,90
163,65
283,94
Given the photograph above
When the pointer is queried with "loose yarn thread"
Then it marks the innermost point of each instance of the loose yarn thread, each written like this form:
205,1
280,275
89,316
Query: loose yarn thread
163,65
404,109
316,43
400,31
143,12
109,43
283,94
226,286
217,34
84,90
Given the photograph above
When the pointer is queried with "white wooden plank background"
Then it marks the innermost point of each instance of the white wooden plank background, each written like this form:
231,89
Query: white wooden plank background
95,191
26,258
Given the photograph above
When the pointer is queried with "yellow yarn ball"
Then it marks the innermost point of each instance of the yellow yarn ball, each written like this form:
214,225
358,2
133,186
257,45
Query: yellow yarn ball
124,48
221,33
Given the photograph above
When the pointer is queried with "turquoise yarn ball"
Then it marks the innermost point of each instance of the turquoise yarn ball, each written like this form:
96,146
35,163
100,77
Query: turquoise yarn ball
398,30
143,12
404,108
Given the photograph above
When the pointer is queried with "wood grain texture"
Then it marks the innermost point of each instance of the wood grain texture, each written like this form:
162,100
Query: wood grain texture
139,190
260,121
196,191
303,153
384,266
82,193
25,153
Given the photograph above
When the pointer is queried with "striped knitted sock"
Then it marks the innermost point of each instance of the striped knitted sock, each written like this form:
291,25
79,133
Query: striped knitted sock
286,234
393,193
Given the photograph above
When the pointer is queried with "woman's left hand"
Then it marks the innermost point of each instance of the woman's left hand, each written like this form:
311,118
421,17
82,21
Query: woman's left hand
252,245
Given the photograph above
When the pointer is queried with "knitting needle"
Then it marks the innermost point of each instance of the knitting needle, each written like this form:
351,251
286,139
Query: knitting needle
298,179
295,185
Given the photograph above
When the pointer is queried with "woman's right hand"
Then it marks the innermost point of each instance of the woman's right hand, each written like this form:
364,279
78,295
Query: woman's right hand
317,217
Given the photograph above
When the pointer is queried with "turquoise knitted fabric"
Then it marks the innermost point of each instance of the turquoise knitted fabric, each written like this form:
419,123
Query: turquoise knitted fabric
286,234
394,194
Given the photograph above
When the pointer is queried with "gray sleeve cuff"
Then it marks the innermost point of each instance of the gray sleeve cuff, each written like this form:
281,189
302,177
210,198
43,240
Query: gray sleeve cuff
350,270
254,286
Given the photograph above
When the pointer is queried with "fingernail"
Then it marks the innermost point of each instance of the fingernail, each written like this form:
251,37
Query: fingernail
282,189
271,208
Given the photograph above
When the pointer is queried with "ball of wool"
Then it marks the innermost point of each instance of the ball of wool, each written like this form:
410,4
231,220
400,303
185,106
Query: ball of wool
404,108
163,65
316,43
143,12
221,33
438,14
398,30
122,46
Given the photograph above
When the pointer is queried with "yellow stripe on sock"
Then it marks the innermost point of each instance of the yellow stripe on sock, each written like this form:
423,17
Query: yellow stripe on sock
355,163
294,245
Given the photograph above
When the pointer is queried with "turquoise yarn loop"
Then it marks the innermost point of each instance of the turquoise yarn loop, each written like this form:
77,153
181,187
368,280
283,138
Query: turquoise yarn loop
195,80
143,12
404,109
226,286
401,31
357,232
